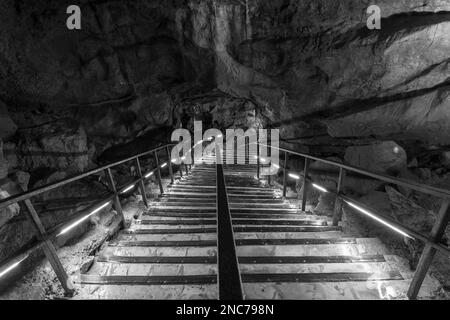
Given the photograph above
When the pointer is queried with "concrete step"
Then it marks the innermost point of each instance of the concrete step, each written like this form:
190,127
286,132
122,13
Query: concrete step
238,235
239,242
246,278
253,215
148,292
233,209
165,269
147,220
175,200
170,229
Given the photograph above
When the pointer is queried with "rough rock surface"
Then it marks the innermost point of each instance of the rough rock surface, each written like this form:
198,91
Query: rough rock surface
7,126
3,163
306,61
138,68
386,156
9,212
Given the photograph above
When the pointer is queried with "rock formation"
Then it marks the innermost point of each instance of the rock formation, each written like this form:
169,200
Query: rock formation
379,99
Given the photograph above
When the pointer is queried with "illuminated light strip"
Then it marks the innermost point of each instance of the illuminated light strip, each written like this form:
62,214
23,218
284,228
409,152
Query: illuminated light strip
173,160
276,166
183,158
319,187
148,175
164,164
294,176
219,136
12,266
83,219
377,219
128,188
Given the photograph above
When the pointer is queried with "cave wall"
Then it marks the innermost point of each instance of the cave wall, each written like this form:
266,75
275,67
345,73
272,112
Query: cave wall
312,66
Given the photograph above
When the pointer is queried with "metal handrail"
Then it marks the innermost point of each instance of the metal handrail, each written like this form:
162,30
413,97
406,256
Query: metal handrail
432,242
228,275
438,192
31,193
45,237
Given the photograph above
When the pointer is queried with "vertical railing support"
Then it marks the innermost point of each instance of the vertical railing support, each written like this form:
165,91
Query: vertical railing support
257,161
158,171
337,214
141,182
285,174
170,164
305,184
428,252
186,167
112,185
49,248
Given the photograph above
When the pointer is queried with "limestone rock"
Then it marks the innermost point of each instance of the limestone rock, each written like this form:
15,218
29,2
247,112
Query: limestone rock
60,146
446,159
386,156
409,213
413,163
409,175
7,126
326,199
363,225
3,163
9,212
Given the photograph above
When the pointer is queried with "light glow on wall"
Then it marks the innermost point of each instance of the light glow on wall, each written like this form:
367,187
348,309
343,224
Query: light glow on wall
294,176
148,175
128,188
83,219
371,215
319,187
14,265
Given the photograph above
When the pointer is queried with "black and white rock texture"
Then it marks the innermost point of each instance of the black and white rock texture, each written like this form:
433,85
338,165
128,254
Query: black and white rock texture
379,99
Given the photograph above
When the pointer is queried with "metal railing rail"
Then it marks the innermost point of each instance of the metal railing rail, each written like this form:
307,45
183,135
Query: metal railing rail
433,241
228,275
45,237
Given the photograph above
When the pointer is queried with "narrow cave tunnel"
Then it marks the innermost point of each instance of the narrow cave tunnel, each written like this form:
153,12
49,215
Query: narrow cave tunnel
120,174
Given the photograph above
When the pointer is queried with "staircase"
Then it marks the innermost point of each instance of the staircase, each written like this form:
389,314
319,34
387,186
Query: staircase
283,253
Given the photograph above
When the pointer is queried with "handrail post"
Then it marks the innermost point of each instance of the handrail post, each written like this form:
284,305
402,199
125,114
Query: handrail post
337,214
169,156
305,176
112,185
285,174
428,252
141,182
158,171
257,161
49,248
